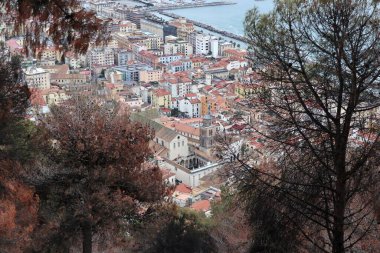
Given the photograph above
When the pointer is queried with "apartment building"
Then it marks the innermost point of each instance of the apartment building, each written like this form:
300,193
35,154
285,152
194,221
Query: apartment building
150,75
178,47
161,98
100,57
74,61
138,72
184,28
122,57
150,40
201,42
178,87
223,46
160,29
37,78
126,26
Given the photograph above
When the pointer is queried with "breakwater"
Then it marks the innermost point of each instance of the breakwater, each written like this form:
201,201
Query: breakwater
186,6
208,27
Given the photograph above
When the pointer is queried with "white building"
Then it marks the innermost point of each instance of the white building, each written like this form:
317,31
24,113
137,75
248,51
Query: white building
178,87
237,64
192,177
214,47
180,65
101,57
175,144
201,43
190,105
74,61
178,47
37,77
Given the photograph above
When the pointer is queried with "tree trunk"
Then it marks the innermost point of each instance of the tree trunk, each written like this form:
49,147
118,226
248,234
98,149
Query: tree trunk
338,230
87,237
339,208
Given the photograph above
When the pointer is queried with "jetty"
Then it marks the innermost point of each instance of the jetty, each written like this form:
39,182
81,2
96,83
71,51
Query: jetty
208,27
186,6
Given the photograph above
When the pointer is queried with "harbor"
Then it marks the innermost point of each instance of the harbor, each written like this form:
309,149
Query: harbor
208,27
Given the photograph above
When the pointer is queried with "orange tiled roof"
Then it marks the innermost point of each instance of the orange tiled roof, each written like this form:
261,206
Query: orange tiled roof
183,128
201,205
188,95
161,92
183,188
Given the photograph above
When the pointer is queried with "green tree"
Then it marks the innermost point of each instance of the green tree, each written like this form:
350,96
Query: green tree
186,232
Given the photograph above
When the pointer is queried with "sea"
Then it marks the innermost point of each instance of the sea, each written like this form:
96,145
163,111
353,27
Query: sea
226,17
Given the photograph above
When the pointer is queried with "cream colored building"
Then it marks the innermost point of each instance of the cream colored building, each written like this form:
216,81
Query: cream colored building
153,41
126,26
178,47
50,53
101,57
150,40
223,46
150,75
176,144
54,95
184,28
37,77
152,27
68,78
161,98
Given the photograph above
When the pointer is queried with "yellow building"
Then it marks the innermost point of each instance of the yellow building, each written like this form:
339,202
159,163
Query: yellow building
150,75
208,104
214,103
49,53
54,95
161,98
247,90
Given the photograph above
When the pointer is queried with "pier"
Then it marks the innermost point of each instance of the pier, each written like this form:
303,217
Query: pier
186,6
208,27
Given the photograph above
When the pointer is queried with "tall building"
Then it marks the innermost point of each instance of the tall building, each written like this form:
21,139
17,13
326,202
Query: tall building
37,78
178,47
208,132
200,43
101,57
123,56
169,30
223,46
184,28
214,47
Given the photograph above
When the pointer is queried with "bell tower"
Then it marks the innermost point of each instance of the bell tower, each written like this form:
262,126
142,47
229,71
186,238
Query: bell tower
208,131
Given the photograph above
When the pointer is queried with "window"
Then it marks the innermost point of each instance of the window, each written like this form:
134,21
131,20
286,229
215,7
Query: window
174,145
179,144
183,143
